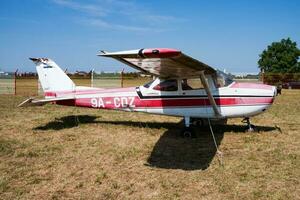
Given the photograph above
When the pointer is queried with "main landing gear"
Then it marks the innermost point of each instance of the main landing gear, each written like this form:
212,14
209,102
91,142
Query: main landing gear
187,132
250,127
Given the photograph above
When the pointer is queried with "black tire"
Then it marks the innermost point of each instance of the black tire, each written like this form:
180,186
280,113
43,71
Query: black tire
197,122
188,133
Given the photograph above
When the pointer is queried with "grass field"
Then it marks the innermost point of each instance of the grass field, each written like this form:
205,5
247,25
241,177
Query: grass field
45,153
7,86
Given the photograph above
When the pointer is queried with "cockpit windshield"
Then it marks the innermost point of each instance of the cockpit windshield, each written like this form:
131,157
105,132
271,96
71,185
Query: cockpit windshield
224,79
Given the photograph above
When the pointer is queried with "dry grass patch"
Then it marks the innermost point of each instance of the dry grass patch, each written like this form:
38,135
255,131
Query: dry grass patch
55,152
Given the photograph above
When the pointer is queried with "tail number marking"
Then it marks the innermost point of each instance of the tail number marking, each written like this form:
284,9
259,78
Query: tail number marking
97,103
124,102
119,102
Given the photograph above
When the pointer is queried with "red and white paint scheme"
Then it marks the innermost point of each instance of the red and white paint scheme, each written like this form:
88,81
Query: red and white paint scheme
184,87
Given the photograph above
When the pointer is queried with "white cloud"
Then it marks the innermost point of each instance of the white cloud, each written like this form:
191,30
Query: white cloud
91,9
103,24
112,14
21,20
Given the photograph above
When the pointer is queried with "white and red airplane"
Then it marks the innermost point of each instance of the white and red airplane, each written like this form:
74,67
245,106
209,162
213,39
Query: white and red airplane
184,87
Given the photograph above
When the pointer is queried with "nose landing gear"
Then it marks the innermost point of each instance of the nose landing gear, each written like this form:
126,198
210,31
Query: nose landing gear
187,132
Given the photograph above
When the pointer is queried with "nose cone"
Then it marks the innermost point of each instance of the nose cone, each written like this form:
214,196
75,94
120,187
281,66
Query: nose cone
255,98
268,91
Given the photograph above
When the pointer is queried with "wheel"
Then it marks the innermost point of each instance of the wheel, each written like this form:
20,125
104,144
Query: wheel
188,133
198,122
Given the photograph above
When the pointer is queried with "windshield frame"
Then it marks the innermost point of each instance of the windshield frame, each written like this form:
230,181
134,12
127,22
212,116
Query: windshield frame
223,79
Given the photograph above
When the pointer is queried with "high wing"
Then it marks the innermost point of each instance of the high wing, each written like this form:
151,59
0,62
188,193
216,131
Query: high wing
162,62
166,63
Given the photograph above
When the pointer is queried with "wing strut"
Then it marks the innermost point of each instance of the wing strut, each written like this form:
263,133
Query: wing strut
210,97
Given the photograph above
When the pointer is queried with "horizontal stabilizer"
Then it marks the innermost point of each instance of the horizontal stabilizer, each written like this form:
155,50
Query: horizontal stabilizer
41,102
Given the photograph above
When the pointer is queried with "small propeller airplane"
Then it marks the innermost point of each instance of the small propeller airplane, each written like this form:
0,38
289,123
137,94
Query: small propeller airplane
183,87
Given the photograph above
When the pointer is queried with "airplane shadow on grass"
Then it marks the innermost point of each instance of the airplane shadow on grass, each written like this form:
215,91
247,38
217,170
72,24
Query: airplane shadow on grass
170,151
69,121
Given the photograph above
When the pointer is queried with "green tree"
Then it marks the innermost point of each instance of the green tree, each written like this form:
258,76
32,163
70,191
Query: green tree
280,57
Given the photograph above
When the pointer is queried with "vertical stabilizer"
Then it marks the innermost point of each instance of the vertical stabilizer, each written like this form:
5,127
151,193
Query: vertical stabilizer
52,78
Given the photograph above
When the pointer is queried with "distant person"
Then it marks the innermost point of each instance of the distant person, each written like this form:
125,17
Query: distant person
279,87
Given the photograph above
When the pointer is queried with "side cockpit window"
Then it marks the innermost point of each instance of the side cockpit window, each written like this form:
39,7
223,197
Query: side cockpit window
191,84
167,85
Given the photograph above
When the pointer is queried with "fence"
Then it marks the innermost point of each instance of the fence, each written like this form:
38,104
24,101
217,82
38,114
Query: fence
28,84
280,78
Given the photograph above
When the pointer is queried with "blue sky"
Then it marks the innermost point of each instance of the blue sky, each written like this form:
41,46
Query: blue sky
224,34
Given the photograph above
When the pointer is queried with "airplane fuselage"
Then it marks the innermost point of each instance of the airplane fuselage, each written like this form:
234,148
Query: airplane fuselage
236,100
183,87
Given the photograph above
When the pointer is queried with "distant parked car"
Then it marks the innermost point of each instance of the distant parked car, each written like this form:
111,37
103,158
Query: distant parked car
291,85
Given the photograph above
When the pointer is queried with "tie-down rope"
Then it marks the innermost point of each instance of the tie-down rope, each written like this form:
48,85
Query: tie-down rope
219,153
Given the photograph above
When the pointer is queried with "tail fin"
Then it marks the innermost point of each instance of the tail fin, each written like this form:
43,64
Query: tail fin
51,76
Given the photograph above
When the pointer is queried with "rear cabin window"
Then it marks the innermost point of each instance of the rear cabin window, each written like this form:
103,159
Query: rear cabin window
167,85
191,84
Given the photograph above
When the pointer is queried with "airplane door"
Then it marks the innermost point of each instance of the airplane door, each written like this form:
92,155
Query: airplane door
196,97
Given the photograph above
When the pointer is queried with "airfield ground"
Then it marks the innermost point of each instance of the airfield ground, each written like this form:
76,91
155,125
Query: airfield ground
46,154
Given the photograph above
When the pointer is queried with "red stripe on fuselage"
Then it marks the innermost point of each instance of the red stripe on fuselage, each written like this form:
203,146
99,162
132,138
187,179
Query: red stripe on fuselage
204,101
50,94
109,101
136,102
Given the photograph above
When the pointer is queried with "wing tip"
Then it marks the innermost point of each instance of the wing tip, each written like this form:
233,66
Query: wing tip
102,53
34,59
